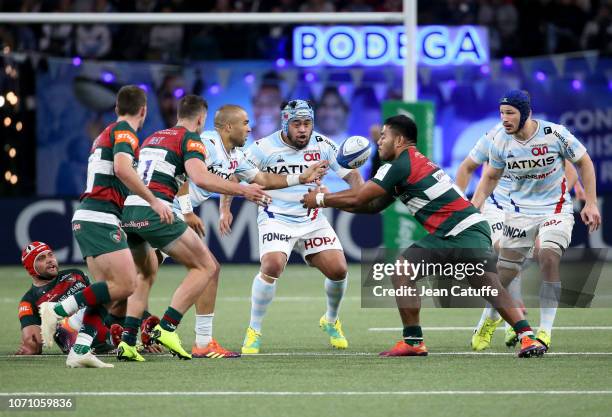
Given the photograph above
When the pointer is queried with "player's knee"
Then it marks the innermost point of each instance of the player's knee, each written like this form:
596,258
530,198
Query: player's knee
273,267
548,258
337,273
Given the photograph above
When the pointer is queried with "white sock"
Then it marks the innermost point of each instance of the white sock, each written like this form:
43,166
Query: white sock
76,320
70,305
515,292
204,328
550,293
83,339
262,294
335,292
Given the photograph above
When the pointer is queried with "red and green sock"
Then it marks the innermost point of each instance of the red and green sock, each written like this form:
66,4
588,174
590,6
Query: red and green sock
170,320
130,330
94,295
522,329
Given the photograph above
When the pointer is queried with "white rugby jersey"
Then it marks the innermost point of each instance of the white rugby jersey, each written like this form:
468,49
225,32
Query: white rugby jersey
537,168
272,154
221,163
500,197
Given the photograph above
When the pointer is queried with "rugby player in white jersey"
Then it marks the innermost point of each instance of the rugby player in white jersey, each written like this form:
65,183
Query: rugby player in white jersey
225,159
285,225
532,153
494,211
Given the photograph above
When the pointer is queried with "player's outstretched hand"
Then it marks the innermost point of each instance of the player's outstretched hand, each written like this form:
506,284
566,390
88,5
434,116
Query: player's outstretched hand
314,172
195,223
225,222
165,213
255,193
591,217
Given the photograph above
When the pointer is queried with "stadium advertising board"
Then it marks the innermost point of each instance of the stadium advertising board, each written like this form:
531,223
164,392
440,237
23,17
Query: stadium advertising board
386,45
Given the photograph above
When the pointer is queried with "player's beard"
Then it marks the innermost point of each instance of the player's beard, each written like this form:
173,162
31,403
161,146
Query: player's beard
48,276
296,144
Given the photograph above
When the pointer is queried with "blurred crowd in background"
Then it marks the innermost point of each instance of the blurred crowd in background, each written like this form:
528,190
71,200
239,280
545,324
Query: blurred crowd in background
516,27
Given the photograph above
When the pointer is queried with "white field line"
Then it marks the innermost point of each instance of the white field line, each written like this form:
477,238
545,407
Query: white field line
302,393
451,328
10,300
331,354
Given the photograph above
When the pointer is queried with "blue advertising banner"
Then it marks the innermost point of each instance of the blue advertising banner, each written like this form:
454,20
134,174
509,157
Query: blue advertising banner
48,220
76,102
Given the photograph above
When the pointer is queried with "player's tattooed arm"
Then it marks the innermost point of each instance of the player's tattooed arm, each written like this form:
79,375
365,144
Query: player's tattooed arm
590,213
488,182
465,172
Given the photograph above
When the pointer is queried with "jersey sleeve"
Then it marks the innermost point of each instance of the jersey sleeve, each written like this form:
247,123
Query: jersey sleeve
246,170
496,157
28,312
480,152
86,279
125,141
571,148
211,152
255,155
391,174
193,147
329,152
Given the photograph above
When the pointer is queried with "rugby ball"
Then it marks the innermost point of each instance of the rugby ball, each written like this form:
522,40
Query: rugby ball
354,152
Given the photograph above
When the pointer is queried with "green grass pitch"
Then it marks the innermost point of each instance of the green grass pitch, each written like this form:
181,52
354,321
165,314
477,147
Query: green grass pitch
301,375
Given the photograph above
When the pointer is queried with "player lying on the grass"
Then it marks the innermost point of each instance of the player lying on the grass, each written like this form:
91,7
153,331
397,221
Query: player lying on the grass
284,225
493,210
49,283
97,230
435,202
167,157
533,153
225,159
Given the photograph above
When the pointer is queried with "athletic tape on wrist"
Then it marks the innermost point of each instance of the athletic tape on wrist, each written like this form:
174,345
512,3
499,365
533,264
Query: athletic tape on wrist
320,199
185,203
293,179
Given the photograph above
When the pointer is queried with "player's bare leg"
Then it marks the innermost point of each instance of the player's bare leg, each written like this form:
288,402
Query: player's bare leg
205,345
147,266
332,264
190,251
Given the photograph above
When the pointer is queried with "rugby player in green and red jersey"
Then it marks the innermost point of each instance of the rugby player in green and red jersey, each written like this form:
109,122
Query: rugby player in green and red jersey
96,225
167,158
49,283
435,202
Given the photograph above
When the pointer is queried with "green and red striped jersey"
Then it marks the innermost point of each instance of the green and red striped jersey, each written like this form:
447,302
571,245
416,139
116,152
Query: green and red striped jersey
162,160
428,193
68,282
105,192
